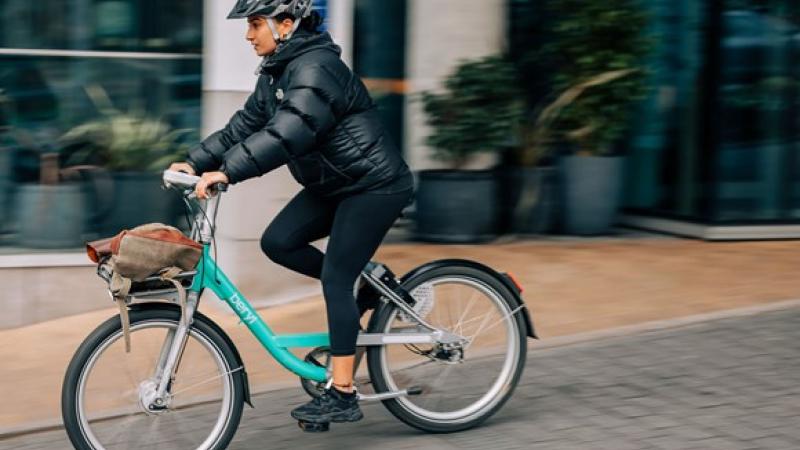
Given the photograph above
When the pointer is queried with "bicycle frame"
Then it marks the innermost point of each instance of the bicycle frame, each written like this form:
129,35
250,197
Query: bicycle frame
210,276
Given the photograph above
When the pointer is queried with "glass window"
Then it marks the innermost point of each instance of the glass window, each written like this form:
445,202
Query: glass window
759,99
717,142
86,124
666,157
120,25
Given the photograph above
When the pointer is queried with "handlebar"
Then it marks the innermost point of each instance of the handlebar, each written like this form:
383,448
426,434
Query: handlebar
185,180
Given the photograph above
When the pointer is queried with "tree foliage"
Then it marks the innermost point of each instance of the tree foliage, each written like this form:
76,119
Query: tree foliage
587,38
479,111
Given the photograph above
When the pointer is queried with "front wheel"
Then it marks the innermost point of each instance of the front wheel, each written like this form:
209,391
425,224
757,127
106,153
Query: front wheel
105,393
461,385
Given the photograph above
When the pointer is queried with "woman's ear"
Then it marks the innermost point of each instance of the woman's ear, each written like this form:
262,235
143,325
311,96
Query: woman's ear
286,26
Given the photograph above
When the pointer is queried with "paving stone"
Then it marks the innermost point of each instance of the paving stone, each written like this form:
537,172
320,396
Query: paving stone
715,385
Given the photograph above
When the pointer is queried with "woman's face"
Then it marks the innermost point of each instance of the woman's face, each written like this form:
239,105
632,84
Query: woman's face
260,36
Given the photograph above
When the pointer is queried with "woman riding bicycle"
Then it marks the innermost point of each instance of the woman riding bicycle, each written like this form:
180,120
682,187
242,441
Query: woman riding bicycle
310,112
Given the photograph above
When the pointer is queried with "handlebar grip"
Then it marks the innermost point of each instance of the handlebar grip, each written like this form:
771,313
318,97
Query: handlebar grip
180,178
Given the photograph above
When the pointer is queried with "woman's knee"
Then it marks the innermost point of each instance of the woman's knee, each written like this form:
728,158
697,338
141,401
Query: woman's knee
274,245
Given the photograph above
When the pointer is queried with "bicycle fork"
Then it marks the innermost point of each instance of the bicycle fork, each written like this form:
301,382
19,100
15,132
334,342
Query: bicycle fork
170,356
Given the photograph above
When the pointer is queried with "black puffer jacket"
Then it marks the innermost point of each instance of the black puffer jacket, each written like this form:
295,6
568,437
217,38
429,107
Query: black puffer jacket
311,112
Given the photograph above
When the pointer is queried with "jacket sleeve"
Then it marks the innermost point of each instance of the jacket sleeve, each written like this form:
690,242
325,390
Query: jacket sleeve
312,105
209,155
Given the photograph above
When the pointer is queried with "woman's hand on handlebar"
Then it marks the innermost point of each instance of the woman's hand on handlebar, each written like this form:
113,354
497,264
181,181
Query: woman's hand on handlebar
182,167
209,179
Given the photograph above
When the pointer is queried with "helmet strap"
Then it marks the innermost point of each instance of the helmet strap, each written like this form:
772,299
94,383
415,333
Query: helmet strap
273,26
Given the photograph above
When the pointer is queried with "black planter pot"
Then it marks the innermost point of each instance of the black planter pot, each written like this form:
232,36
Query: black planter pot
51,216
138,198
527,199
592,189
456,206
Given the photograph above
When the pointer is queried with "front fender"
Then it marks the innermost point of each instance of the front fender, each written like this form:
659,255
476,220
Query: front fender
501,277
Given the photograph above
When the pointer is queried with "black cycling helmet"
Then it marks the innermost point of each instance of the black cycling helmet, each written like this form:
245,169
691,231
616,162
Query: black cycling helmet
299,9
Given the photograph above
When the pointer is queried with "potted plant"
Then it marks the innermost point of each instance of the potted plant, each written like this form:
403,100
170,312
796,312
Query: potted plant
595,50
135,148
479,111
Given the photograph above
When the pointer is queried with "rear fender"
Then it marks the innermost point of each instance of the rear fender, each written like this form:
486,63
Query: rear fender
503,278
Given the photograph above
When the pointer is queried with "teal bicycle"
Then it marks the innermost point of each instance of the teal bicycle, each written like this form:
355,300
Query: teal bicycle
444,349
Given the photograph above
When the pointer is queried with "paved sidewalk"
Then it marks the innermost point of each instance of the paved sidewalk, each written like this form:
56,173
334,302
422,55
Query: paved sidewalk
571,286
723,384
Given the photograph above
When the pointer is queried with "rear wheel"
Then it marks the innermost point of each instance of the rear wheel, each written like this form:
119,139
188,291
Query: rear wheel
461,385
107,393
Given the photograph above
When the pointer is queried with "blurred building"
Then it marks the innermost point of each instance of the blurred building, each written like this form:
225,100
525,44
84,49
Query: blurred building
63,64
184,63
713,152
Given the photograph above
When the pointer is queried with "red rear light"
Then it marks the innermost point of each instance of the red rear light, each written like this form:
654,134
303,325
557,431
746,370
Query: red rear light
515,281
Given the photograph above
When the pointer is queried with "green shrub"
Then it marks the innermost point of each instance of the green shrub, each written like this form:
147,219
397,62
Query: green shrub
479,111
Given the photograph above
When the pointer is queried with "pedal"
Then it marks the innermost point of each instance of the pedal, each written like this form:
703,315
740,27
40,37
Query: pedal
415,390
312,427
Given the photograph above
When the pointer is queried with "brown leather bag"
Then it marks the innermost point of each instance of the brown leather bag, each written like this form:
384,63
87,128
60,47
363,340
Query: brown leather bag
147,250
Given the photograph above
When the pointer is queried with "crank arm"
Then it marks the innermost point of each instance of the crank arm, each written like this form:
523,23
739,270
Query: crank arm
415,390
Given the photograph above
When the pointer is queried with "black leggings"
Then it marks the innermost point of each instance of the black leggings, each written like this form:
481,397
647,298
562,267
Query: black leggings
356,224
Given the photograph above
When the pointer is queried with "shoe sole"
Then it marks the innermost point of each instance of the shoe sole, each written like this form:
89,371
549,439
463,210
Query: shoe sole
354,416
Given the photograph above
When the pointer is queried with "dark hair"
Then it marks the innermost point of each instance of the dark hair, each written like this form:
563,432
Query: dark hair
310,23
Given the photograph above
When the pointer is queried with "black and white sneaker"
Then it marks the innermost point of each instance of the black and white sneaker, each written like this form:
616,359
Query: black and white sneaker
331,406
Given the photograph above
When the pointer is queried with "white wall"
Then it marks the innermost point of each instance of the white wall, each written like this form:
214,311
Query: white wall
340,25
440,33
229,62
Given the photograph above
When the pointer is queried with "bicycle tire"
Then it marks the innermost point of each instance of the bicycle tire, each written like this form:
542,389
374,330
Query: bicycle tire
377,371
111,329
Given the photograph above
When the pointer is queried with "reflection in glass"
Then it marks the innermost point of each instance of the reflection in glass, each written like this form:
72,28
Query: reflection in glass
120,25
759,99
83,141
718,140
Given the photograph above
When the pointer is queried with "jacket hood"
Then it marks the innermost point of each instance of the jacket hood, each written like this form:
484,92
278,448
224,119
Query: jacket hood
300,43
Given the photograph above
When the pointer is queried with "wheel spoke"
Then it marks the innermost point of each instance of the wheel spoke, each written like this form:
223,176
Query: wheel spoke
207,380
459,326
471,339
